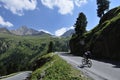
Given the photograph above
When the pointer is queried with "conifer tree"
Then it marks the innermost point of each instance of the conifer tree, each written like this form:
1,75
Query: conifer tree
81,23
50,47
103,5
80,28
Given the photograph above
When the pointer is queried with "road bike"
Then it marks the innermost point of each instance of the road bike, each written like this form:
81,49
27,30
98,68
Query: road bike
87,62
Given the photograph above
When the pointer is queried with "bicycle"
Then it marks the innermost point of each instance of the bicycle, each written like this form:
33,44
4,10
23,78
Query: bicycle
87,62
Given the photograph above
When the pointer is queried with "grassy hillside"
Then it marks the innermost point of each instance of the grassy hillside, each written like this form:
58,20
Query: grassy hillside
104,39
17,53
54,68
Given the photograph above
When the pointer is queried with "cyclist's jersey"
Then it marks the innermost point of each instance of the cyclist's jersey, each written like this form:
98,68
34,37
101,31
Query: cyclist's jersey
87,54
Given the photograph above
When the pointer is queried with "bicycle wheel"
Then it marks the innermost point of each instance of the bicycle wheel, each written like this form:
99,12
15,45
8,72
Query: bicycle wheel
83,61
89,64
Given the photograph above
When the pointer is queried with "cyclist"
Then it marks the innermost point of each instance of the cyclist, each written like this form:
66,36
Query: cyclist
85,60
87,55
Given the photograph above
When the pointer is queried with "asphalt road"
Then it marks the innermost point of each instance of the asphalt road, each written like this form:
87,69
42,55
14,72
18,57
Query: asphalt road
99,71
20,76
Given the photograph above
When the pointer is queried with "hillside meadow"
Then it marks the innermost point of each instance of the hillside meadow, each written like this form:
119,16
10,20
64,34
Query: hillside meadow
18,53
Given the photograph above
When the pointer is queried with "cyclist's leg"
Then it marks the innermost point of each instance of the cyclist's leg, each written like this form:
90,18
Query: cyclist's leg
86,61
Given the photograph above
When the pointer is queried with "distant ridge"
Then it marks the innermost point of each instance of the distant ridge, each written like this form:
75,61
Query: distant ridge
68,33
4,30
23,30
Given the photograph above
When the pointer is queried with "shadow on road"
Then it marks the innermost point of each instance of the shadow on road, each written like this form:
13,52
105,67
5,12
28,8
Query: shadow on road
66,54
80,66
116,64
83,66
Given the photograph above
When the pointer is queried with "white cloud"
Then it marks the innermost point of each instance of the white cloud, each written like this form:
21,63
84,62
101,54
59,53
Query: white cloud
48,3
61,31
71,28
5,23
79,3
17,6
45,31
64,6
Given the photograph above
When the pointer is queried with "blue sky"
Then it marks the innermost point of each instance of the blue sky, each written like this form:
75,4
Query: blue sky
53,16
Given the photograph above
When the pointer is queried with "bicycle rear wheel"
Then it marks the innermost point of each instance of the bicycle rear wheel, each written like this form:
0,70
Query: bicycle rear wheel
89,64
83,61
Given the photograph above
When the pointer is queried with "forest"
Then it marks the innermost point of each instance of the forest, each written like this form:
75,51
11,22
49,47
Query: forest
18,53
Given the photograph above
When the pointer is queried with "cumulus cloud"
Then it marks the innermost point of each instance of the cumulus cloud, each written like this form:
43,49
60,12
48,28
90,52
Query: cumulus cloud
17,6
64,6
45,31
5,23
62,30
80,2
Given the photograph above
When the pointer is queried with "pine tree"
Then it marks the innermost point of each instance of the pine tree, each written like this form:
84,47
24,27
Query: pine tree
80,28
103,5
81,23
50,47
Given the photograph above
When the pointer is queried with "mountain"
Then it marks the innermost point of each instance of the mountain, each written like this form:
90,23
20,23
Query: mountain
4,30
42,33
28,31
68,33
24,31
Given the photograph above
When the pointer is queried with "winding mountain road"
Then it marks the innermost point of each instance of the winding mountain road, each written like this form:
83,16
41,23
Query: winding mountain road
20,76
99,71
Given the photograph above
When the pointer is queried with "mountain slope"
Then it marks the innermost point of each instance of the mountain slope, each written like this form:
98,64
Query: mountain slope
4,30
104,39
42,33
68,33
29,31
24,31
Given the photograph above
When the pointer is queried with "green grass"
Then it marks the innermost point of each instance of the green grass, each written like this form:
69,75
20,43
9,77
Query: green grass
57,69
99,29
